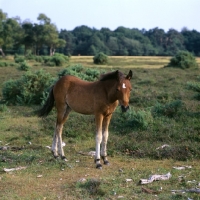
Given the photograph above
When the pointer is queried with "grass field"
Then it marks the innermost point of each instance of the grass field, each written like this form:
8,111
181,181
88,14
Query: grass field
133,152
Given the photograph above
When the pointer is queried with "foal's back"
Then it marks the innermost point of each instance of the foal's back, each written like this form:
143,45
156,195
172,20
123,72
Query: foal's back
81,96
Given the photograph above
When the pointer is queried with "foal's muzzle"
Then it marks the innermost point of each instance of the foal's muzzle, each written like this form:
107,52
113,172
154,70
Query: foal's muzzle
124,109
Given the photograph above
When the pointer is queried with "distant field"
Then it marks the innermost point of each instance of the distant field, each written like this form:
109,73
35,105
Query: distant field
167,110
125,61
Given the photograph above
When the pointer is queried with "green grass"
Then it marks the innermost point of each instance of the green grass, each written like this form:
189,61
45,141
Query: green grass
132,150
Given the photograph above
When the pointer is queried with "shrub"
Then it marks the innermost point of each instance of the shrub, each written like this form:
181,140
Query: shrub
6,64
92,74
56,60
3,108
195,86
183,60
132,120
24,66
79,71
100,59
39,59
19,59
3,64
28,89
30,56
169,109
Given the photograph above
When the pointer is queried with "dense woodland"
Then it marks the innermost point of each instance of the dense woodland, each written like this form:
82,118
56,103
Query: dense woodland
43,38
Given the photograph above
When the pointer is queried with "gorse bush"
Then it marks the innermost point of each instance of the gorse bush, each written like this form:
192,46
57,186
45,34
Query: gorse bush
28,89
56,60
6,64
81,72
19,59
100,59
195,86
3,108
24,66
183,60
169,109
132,120
3,64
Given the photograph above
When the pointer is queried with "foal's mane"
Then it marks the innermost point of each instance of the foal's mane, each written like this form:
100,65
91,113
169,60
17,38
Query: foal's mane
111,75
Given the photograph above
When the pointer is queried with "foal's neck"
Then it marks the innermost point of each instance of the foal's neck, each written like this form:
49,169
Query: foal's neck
110,87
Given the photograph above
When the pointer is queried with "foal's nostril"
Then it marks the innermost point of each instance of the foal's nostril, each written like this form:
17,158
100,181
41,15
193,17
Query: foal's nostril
124,109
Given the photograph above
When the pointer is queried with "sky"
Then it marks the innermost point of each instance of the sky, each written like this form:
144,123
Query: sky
147,14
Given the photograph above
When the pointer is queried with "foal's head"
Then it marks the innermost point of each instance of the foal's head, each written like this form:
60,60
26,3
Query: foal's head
123,90
122,87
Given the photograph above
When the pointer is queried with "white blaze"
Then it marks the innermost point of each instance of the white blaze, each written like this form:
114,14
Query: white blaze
123,85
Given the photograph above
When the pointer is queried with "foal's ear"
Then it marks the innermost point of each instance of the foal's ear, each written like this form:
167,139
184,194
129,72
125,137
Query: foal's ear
129,76
117,74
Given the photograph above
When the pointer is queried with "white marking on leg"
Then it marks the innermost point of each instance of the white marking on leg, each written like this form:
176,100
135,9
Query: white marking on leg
60,146
123,85
54,147
104,143
98,143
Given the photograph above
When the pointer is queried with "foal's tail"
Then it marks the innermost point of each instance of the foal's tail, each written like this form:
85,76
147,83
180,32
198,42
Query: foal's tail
47,107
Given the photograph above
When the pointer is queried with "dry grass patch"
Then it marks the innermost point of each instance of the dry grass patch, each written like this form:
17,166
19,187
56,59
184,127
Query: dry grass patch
123,61
57,180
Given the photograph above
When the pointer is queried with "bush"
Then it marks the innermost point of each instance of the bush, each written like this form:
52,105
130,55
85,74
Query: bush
30,56
79,71
183,60
6,64
24,66
132,120
100,59
19,59
39,59
195,86
28,89
3,64
169,109
56,60
3,108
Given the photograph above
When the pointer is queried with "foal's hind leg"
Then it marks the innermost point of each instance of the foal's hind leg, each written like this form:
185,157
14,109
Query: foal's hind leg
106,123
62,114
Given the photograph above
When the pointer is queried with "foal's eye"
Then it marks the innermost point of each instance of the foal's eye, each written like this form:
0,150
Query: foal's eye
117,90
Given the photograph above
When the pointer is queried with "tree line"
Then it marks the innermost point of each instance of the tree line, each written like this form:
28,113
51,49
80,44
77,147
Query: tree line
43,38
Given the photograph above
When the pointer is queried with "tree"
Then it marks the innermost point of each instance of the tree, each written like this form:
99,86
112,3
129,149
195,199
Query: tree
174,42
70,42
10,32
112,44
158,38
98,44
28,39
43,19
49,34
3,17
192,41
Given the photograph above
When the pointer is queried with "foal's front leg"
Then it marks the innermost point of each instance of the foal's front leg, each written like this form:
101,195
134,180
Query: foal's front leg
106,122
98,120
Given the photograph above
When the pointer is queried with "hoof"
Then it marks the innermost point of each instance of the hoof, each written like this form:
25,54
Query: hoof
99,166
64,158
56,157
106,162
